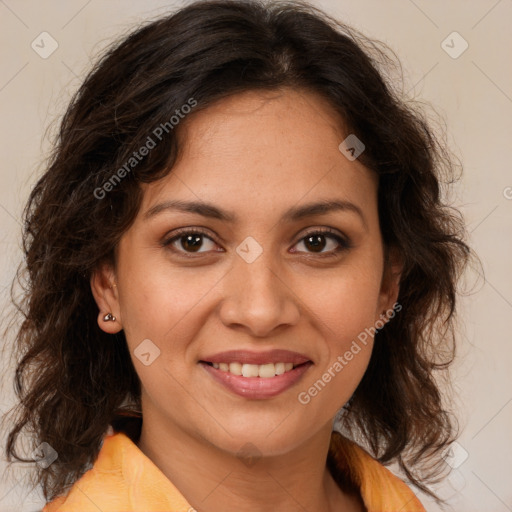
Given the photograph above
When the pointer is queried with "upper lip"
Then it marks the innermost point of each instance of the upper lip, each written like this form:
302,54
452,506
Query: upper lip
248,357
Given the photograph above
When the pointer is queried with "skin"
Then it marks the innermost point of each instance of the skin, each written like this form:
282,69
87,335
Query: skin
256,155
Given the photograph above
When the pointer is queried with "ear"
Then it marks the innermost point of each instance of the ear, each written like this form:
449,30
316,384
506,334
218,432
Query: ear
390,284
104,290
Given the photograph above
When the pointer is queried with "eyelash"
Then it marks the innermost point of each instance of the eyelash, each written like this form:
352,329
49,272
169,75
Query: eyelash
345,243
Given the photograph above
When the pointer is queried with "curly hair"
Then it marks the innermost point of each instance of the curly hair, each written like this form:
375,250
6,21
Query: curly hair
73,380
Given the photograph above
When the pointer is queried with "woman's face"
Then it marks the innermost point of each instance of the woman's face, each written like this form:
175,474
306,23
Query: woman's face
255,275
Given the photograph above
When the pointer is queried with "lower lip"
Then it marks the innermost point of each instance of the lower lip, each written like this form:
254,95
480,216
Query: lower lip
257,387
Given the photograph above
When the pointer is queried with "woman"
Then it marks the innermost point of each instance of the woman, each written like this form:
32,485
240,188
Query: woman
238,264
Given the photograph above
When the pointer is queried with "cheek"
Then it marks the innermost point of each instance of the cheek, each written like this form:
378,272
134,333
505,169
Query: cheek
345,318
155,297
344,305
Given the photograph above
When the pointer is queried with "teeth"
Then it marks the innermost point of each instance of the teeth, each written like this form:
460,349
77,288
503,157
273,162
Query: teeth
250,370
235,368
266,371
279,368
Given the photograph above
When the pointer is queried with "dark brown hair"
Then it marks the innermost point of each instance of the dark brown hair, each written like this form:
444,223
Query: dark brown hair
73,380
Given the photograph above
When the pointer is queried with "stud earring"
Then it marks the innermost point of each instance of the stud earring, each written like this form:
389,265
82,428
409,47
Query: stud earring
109,317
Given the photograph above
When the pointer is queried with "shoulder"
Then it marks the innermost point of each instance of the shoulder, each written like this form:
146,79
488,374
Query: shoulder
102,487
122,478
378,486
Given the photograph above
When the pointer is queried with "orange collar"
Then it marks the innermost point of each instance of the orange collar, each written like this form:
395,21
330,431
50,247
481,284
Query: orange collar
124,478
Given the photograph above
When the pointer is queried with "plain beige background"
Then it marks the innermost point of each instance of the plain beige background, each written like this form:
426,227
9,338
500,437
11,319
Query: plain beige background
472,92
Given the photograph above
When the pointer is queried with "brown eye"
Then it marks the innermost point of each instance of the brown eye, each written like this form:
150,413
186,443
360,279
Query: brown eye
188,241
315,242
191,242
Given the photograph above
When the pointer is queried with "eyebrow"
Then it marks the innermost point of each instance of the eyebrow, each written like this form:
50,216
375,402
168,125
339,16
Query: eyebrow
293,214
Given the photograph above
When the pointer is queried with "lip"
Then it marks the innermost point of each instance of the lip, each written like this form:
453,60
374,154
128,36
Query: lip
257,387
249,357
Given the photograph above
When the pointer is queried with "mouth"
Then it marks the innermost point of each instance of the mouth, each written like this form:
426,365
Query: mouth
264,371
256,381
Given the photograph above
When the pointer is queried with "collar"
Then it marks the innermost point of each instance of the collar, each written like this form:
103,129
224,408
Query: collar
124,478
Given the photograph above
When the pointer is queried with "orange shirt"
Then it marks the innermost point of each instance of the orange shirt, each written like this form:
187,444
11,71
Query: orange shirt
124,479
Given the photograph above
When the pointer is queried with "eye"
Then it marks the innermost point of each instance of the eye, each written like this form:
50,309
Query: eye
188,241
314,241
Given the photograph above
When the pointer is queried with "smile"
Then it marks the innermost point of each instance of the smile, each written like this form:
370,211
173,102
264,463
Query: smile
265,371
254,381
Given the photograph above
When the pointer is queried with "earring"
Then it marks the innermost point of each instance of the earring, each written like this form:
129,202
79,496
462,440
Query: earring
109,317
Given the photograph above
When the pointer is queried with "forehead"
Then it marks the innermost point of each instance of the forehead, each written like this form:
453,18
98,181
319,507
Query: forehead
264,150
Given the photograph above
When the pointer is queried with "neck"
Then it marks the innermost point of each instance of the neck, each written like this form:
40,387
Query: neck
213,480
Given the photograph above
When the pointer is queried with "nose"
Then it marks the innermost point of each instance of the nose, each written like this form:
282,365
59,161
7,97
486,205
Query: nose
258,299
